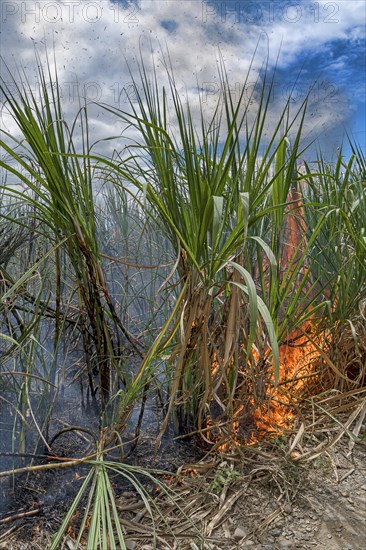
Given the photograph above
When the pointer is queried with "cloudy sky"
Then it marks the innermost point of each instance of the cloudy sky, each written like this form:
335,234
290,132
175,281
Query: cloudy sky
319,44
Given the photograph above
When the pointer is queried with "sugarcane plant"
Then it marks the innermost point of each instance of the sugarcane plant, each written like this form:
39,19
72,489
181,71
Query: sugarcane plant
56,178
210,185
338,261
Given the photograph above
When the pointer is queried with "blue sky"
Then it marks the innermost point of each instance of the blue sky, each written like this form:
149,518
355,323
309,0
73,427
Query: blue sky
321,44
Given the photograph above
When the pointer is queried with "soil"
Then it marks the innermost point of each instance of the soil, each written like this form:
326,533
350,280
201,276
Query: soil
327,509
280,506
264,501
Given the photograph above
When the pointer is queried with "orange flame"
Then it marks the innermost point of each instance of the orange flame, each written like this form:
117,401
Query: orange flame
276,411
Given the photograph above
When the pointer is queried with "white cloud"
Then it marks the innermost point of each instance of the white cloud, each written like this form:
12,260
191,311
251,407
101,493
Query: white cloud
92,39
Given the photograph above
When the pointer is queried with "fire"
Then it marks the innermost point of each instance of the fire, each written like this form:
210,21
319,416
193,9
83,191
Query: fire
263,409
275,412
272,411
296,365
70,528
298,355
257,407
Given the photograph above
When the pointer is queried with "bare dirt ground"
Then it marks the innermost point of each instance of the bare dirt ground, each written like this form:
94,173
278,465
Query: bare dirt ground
327,510
284,506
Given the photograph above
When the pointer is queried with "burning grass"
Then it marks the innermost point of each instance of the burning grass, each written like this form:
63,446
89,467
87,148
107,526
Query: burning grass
271,413
320,374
